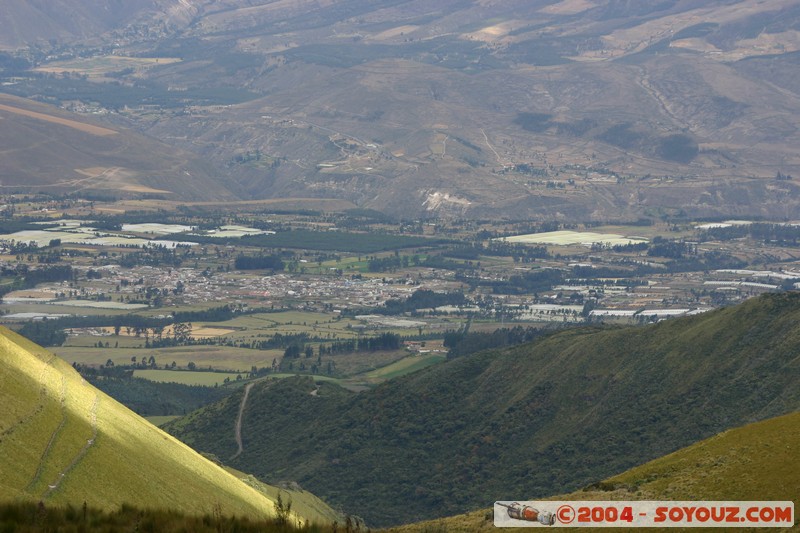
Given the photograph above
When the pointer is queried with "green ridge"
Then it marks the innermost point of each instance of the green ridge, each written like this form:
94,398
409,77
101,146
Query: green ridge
757,462
534,420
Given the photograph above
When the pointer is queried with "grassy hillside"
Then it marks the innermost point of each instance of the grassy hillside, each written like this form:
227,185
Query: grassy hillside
62,441
754,462
539,419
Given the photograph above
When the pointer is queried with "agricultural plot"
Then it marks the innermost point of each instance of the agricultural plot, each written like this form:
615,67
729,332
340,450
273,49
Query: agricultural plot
339,241
551,313
238,360
89,337
160,420
365,370
55,308
233,231
207,332
103,64
102,305
40,237
86,235
32,316
153,228
724,224
403,366
206,379
390,322
568,237
291,322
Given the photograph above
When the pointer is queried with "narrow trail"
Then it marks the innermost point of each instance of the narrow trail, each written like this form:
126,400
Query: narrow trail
238,430
496,155
80,455
53,437
655,94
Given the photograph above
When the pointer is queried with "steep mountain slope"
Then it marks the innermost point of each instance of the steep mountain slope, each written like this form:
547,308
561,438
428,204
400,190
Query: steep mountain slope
63,441
757,462
547,109
535,420
48,149
43,22
535,109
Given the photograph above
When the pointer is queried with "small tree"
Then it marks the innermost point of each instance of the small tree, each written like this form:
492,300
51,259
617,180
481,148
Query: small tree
282,510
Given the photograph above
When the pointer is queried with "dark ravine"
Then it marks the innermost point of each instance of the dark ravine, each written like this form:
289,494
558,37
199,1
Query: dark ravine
530,421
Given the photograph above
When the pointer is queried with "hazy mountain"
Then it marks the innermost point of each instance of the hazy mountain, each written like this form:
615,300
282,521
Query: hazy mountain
534,420
47,22
542,109
47,149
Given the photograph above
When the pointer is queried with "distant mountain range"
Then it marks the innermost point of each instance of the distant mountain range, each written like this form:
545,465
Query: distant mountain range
541,109
50,22
530,421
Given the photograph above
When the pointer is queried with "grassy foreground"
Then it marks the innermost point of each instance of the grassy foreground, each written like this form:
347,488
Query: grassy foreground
35,518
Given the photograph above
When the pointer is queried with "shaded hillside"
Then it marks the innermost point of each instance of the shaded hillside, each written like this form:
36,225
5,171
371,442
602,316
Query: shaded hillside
534,420
64,442
757,462
47,149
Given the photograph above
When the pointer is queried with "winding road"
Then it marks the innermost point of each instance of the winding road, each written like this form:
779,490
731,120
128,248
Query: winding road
238,430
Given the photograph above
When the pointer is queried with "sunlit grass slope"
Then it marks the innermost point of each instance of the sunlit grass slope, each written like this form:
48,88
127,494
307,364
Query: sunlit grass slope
304,503
759,461
63,441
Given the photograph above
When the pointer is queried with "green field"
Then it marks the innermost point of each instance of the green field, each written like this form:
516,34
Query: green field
404,366
114,341
216,357
160,420
395,364
19,307
97,67
207,379
262,326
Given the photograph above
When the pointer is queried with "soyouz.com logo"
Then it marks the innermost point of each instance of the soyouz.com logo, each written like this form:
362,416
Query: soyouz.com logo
643,514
